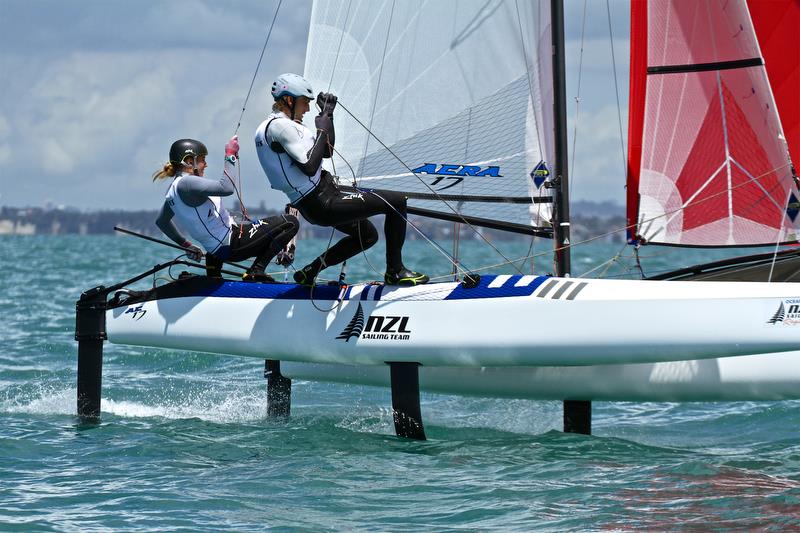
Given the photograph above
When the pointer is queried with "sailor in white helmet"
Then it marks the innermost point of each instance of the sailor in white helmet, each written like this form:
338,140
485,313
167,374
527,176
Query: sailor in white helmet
291,156
196,202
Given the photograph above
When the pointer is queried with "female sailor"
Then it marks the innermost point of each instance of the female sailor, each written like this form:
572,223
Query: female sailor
196,202
291,156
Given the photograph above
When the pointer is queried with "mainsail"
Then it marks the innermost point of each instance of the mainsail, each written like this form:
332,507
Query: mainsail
457,95
708,159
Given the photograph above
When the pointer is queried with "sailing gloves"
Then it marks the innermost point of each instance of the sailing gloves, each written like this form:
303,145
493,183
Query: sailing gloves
232,149
192,252
326,102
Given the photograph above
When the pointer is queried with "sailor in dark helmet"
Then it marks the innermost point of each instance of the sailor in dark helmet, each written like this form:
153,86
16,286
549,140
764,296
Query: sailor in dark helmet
291,156
196,202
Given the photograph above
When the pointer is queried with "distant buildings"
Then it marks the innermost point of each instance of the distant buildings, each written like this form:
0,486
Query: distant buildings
589,221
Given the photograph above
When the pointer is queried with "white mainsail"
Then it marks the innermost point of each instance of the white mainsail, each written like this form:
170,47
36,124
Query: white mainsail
460,92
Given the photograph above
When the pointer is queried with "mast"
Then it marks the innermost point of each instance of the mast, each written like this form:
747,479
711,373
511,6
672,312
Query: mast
561,180
577,413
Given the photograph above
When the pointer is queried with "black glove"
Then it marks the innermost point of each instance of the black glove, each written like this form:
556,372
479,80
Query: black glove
323,122
326,102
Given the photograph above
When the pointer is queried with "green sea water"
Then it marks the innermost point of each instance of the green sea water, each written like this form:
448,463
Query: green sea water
184,443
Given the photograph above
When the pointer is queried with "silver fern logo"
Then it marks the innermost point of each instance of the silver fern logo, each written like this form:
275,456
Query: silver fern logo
788,313
779,315
354,327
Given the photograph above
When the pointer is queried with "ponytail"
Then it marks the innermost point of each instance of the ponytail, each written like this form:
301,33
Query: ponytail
167,172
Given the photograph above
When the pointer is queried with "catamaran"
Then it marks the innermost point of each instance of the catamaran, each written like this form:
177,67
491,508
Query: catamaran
461,106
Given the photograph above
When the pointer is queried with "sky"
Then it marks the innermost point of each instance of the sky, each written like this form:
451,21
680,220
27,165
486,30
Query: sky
93,92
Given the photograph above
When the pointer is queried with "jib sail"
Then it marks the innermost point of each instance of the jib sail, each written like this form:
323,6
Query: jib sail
708,161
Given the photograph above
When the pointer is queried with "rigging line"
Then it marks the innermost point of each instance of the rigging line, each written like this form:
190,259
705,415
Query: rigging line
339,48
453,261
626,227
238,195
377,86
528,77
616,89
778,240
578,98
542,155
258,66
445,202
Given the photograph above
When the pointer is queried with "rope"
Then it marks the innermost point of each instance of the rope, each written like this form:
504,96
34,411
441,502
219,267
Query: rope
445,202
616,88
578,99
258,66
378,86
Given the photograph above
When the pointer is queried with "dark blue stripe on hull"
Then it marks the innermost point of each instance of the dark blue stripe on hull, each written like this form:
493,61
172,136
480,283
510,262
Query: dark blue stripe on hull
284,291
508,289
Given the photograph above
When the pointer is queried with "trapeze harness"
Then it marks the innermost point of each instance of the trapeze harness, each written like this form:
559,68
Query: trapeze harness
212,226
209,223
291,157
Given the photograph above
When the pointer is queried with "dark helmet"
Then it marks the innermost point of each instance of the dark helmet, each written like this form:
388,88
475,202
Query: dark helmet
183,148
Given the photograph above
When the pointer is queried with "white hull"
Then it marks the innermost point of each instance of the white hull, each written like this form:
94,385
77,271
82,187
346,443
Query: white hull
508,321
743,378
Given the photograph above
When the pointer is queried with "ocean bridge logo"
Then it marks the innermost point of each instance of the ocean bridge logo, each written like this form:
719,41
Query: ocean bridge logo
790,316
378,327
455,173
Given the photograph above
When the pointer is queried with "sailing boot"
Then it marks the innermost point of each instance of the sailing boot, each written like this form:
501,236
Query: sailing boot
405,278
306,275
213,266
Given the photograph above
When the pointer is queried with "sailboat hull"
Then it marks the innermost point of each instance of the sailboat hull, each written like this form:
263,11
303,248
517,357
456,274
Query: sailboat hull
507,321
773,376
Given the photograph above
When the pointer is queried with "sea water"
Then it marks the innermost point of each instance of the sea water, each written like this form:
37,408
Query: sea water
184,443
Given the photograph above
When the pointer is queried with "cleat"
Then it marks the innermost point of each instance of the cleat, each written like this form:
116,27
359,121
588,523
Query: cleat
405,278
257,277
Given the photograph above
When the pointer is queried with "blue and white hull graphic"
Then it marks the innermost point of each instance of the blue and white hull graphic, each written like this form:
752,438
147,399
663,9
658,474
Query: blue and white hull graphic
507,321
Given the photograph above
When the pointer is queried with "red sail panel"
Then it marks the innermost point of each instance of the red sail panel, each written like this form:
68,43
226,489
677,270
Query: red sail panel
712,164
636,101
776,25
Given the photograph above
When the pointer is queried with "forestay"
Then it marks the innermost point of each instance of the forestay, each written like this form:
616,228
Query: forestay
708,160
459,91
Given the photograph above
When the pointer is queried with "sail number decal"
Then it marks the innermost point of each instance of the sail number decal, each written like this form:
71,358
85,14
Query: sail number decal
451,175
136,312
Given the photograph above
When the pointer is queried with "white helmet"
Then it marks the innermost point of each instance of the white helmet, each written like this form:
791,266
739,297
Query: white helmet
291,85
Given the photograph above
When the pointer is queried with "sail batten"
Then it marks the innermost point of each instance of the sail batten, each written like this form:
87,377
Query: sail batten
717,170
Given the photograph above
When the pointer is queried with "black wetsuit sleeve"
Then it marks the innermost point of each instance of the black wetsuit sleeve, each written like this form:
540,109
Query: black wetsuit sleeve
326,123
165,224
195,190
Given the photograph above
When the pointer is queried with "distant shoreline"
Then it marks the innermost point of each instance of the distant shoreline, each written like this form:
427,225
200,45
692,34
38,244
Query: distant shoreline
589,219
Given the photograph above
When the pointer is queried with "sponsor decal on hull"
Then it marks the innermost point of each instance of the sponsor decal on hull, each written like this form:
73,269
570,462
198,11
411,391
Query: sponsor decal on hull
376,327
136,312
787,314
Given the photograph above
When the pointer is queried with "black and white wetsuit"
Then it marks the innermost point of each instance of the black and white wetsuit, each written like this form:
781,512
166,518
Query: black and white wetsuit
291,156
196,203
